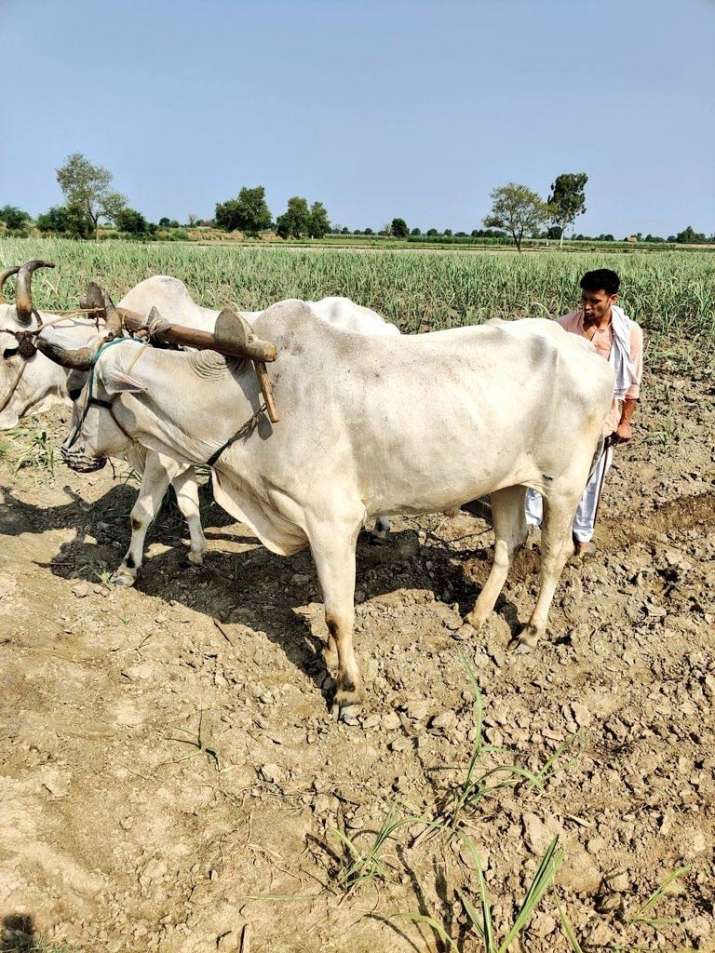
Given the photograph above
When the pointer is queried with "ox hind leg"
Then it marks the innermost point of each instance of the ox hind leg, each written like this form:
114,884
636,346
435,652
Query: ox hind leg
333,549
556,547
510,532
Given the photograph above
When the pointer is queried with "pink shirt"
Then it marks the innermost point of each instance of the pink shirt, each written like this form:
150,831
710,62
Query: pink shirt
602,340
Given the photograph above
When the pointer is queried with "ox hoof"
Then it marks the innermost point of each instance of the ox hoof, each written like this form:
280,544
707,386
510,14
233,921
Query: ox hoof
474,619
196,558
327,684
528,639
123,577
348,714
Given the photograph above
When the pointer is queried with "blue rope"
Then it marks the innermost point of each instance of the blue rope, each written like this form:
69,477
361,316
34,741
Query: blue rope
100,350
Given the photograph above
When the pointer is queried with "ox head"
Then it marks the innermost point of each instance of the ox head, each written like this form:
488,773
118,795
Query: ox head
93,387
27,383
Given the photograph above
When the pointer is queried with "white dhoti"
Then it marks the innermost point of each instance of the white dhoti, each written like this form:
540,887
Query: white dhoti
585,517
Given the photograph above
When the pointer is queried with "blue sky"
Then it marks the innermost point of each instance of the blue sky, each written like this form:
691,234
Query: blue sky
378,108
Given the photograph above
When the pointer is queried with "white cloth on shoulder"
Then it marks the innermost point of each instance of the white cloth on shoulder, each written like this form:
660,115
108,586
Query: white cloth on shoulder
626,373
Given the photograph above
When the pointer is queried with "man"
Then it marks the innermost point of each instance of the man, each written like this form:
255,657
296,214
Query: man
619,340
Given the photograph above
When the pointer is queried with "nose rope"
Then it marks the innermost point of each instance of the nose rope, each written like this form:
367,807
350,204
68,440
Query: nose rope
13,387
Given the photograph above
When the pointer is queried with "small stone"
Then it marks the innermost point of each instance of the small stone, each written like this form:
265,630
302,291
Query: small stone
582,715
538,834
602,935
325,804
596,845
399,744
699,927
271,773
372,721
465,633
444,722
579,873
696,842
417,710
401,783
541,925
620,883
391,721
469,857
81,590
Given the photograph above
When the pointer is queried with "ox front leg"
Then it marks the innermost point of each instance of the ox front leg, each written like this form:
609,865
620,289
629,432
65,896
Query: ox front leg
186,488
334,554
556,547
509,533
155,483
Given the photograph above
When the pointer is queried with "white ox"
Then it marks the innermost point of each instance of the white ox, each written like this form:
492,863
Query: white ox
30,387
415,423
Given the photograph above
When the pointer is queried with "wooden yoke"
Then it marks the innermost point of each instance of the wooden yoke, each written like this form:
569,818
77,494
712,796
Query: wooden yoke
233,336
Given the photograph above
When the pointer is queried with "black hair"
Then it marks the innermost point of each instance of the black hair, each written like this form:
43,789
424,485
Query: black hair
602,279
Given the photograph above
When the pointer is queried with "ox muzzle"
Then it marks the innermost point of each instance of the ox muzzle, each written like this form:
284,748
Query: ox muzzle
80,461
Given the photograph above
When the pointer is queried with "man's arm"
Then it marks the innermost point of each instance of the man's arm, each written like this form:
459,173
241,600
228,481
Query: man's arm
624,430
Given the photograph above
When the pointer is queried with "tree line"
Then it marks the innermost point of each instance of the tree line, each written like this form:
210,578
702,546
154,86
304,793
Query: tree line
517,213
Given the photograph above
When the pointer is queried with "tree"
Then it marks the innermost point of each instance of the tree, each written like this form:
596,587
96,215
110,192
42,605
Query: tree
447,232
398,228
416,231
295,221
369,231
15,218
517,209
86,188
319,224
248,212
165,222
67,221
132,222
432,231
567,200
689,236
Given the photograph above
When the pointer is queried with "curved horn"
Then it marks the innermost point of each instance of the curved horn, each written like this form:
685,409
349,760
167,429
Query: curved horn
3,278
80,358
96,297
23,294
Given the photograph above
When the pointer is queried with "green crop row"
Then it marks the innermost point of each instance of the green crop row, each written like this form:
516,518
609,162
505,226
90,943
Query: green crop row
666,292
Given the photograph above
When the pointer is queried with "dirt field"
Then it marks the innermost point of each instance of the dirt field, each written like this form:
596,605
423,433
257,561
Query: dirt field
170,778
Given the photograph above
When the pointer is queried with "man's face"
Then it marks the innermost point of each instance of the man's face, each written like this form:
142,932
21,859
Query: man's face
596,305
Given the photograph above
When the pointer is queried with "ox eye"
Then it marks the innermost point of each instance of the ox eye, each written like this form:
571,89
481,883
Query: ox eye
10,352
74,394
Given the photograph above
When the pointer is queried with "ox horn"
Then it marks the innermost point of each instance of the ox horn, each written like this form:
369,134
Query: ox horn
3,278
79,358
97,298
23,294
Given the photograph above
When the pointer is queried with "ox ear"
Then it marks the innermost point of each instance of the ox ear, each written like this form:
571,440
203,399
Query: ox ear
117,382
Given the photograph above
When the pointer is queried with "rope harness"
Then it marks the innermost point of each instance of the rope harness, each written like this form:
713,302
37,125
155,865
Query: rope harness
95,401
243,432
28,349
13,387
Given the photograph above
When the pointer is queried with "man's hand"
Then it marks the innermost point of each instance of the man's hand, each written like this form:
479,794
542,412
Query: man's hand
623,432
